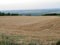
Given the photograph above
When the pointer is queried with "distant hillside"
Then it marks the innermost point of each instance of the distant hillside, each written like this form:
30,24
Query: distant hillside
36,12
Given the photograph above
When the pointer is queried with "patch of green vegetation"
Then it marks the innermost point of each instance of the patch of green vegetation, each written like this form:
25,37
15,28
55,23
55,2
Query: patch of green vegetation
32,44
9,14
16,40
58,43
6,40
13,14
51,14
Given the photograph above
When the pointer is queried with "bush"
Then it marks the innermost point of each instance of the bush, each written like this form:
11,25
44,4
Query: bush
32,44
58,43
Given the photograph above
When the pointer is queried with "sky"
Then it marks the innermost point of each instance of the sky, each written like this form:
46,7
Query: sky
28,4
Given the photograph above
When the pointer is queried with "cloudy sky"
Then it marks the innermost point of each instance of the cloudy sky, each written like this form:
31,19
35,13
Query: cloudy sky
28,4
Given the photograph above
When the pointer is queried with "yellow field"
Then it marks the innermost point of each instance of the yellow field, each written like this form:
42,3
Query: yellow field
32,27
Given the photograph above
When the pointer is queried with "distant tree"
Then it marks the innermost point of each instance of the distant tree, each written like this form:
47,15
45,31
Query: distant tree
8,14
12,14
2,14
51,14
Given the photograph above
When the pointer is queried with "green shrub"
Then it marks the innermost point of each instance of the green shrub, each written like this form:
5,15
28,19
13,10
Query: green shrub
32,44
58,43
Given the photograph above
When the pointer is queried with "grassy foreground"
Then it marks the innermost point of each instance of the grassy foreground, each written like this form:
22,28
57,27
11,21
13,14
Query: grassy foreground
15,40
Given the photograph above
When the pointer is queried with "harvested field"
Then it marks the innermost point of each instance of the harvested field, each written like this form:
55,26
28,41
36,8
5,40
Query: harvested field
44,28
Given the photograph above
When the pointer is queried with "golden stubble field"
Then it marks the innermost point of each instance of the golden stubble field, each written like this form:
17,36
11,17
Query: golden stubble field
32,27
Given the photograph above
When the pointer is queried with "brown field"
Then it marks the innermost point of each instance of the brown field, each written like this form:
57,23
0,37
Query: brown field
31,27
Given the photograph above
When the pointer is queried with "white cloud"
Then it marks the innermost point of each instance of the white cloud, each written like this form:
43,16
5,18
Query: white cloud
29,4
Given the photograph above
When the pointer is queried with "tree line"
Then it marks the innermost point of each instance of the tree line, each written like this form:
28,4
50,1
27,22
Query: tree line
13,14
51,14
16,14
9,14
